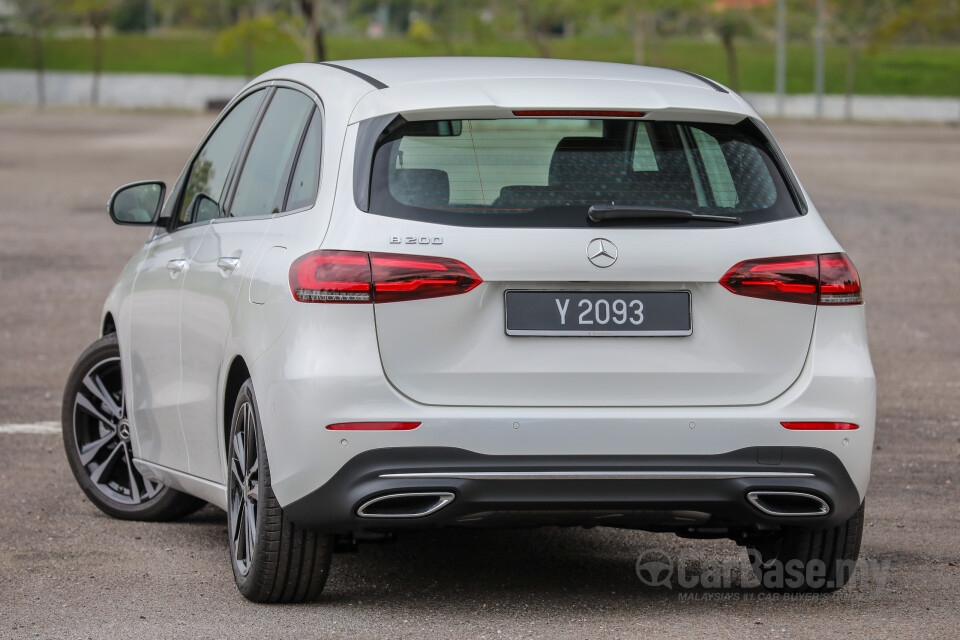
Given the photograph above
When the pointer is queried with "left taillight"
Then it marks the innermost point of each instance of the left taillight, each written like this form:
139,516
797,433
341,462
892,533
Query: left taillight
826,279
356,277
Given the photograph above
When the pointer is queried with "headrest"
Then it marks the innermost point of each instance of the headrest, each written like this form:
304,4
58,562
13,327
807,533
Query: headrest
587,160
421,187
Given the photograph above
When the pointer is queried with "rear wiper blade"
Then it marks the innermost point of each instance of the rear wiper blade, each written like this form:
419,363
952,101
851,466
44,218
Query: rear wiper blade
601,212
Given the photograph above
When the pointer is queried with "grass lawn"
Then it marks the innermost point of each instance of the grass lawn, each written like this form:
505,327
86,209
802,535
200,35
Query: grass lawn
933,71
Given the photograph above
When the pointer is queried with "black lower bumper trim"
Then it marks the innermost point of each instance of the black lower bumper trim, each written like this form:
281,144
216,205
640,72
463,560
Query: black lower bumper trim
689,492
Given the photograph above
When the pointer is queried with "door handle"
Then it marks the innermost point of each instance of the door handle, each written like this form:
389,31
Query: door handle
176,266
228,264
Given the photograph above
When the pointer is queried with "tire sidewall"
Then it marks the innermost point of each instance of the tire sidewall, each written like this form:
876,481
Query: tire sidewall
247,583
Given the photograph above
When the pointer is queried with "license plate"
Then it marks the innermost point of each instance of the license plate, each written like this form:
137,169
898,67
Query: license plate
598,313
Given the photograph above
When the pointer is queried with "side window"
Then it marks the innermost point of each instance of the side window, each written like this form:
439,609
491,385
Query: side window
263,178
208,175
306,175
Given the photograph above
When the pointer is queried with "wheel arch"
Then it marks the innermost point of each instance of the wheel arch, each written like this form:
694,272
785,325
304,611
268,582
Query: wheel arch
108,326
237,374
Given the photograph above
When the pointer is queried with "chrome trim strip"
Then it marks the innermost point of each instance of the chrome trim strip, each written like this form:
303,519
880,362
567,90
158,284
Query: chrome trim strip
443,499
597,475
755,496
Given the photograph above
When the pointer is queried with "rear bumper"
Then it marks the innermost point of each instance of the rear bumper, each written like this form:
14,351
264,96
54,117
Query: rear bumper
698,494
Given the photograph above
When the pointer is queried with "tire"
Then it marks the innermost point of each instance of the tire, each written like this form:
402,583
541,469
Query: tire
273,559
96,437
809,560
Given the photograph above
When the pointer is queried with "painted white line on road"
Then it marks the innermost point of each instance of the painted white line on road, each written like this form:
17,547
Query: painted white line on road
37,428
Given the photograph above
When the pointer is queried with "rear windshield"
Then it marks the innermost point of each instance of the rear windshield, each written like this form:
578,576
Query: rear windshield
530,172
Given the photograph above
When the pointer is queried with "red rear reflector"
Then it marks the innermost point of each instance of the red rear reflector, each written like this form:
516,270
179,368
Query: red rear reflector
828,279
820,426
356,277
577,113
373,426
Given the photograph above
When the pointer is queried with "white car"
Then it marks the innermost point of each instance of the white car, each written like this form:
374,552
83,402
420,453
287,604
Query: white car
404,293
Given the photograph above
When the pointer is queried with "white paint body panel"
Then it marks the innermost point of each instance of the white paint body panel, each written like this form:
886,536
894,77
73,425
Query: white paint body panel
315,364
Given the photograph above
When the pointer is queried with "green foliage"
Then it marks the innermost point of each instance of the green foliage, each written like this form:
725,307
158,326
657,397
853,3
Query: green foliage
250,33
892,70
419,31
133,16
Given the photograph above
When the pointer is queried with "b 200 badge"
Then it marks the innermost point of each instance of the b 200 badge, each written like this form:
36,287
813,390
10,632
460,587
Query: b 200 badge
416,240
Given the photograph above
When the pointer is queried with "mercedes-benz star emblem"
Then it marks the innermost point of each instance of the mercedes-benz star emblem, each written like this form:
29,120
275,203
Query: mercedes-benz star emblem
601,252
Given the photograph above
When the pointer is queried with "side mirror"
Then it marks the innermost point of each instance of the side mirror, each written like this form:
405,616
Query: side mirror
137,203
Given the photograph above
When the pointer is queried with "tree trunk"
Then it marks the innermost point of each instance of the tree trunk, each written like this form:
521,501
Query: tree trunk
97,63
319,42
853,53
313,16
532,29
733,69
640,26
38,62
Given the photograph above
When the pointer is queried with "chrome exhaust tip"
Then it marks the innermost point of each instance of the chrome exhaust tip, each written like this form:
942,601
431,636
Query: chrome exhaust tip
788,503
405,505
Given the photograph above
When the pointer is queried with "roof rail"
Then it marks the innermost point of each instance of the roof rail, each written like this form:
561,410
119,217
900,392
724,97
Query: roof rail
699,77
373,81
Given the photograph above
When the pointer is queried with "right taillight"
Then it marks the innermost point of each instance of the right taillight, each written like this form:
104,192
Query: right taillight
359,277
839,282
826,279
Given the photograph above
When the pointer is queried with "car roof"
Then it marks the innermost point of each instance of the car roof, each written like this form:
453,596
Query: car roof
402,71
430,87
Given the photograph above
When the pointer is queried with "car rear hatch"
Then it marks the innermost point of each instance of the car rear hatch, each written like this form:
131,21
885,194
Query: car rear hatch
627,311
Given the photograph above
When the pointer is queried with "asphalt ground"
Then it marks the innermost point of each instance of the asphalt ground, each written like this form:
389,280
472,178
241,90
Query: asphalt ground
891,194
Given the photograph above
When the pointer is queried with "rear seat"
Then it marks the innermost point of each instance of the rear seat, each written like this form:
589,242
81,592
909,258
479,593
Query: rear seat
587,170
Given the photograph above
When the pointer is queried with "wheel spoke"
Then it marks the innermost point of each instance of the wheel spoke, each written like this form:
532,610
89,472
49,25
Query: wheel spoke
236,471
87,406
250,436
239,450
251,529
90,451
95,385
107,465
236,520
132,473
150,488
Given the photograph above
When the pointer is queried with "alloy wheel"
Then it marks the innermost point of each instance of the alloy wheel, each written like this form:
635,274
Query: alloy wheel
102,435
244,487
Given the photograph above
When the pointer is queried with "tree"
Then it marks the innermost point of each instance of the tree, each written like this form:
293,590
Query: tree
249,33
731,20
37,14
643,17
446,17
537,19
937,18
858,23
312,11
96,13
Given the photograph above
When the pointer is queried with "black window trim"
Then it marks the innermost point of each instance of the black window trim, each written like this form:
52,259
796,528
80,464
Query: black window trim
294,163
173,224
318,106
280,196
170,225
